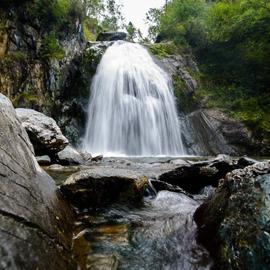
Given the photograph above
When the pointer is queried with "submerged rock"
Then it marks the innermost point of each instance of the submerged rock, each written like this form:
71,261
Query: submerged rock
43,132
111,36
34,223
234,223
70,156
103,186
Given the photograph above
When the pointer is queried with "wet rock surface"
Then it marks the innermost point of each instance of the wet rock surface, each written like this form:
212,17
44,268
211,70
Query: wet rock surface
34,222
103,186
192,178
234,223
44,133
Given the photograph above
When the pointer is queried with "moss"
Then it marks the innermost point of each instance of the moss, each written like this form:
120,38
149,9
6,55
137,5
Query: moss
185,103
50,48
90,27
162,50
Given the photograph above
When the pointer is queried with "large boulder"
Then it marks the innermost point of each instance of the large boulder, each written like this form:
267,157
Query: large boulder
34,228
234,224
102,186
43,132
111,36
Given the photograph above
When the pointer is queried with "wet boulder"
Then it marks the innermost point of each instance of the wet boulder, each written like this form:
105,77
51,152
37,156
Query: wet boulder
234,224
34,222
44,133
103,186
111,36
43,160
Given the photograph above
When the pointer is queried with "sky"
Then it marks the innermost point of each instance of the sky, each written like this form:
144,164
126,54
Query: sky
135,11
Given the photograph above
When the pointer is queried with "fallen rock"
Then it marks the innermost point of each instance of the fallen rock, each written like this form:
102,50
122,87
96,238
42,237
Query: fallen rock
34,222
97,158
234,225
43,160
111,36
44,133
70,156
102,186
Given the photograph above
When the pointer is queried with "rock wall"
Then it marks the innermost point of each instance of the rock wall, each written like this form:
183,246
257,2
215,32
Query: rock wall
34,222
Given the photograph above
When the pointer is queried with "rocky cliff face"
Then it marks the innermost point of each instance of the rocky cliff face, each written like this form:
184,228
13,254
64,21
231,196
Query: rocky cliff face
34,223
56,82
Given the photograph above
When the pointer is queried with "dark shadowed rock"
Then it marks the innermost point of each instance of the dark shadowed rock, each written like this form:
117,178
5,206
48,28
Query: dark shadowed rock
43,132
192,178
103,186
234,223
111,36
70,156
33,222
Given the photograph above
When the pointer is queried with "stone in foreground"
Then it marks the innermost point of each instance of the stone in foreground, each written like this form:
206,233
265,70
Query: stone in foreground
235,223
103,186
33,221
44,133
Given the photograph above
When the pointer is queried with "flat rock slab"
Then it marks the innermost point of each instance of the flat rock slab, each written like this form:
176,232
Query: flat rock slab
102,186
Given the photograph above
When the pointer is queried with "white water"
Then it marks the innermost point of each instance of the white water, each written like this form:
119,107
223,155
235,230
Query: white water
132,108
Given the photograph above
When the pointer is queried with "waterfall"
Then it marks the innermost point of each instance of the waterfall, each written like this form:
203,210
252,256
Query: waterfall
132,108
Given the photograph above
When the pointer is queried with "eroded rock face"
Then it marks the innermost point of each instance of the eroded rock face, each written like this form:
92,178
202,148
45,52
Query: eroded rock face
234,223
43,132
102,186
211,131
33,221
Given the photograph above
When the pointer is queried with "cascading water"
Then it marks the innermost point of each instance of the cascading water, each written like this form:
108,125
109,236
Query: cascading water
132,108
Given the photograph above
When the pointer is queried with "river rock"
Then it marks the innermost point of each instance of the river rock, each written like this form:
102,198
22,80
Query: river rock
34,228
235,223
192,178
43,132
70,156
111,36
102,186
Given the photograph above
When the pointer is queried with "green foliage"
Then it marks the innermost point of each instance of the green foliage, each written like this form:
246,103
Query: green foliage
131,31
162,50
231,40
50,48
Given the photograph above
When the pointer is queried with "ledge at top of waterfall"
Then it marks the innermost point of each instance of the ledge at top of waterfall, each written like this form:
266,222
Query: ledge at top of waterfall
132,108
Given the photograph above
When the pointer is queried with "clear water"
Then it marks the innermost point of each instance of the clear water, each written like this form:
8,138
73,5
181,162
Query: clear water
132,108
159,235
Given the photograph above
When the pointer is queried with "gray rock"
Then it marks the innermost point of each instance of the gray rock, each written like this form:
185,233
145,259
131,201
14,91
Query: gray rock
43,132
234,223
102,186
211,131
43,160
111,36
34,228
70,156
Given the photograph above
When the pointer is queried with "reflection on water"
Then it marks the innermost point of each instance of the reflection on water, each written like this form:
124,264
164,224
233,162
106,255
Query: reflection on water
160,235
